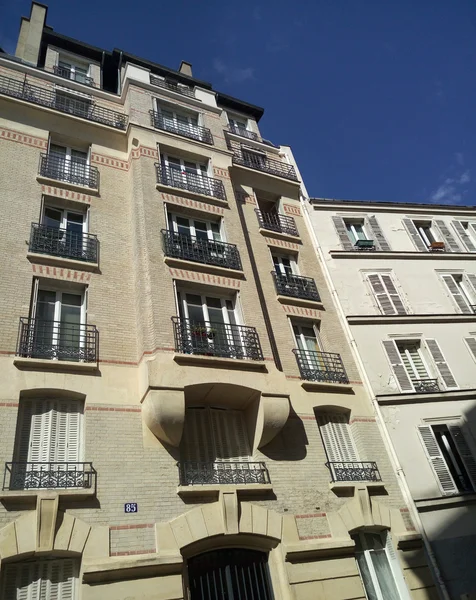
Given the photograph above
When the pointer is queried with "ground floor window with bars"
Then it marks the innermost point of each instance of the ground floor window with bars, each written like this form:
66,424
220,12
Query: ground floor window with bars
230,574
40,580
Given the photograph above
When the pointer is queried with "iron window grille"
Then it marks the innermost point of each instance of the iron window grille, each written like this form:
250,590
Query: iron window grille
192,182
49,98
188,130
354,471
49,475
423,386
296,286
261,162
216,339
57,340
73,75
274,221
70,170
246,133
61,242
201,250
321,366
230,472
173,86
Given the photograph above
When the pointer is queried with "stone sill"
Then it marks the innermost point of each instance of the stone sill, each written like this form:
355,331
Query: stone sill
443,502
83,189
335,486
29,497
215,489
322,386
266,174
203,267
309,550
61,261
128,567
186,194
440,396
218,361
406,254
54,365
300,302
425,318
280,236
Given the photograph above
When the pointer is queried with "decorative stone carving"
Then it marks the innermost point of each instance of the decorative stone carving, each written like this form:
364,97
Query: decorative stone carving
164,414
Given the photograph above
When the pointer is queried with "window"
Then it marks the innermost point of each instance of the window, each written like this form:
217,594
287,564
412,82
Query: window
73,104
412,359
205,230
185,174
425,231
337,438
461,290
450,457
256,160
386,294
181,123
238,123
355,230
378,566
307,338
467,234
38,580
285,266
73,70
68,164
360,233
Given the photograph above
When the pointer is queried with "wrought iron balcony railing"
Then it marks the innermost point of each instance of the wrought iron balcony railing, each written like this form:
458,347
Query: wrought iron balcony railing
364,245
425,385
321,366
64,243
173,86
76,171
57,340
209,252
274,221
79,107
296,286
192,182
259,161
216,339
49,475
188,130
246,133
209,473
73,75
354,471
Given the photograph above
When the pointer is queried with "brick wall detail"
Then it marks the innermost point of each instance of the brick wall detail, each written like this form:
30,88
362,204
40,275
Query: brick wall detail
205,278
202,206
58,273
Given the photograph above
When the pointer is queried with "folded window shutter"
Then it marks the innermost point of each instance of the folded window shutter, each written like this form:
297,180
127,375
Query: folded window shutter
471,342
395,567
68,431
451,244
342,233
394,295
413,233
437,462
34,298
45,580
441,364
377,234
197,442
464,451
42,432
231,439
463,234
386,294
471,278
454,290
398,367
337,438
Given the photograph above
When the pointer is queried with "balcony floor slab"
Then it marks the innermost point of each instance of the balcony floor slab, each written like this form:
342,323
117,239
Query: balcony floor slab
84,189
42,364
62,261
300,302
214,490
203,267
325,386
193,195
219,361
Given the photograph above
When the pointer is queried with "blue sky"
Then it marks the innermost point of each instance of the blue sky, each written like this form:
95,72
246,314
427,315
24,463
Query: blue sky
376,97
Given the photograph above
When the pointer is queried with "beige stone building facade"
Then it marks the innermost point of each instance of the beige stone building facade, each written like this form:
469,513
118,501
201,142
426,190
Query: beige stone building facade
181,414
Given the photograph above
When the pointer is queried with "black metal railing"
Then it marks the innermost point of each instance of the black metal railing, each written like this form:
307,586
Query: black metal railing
63,102
73,75
192,182
275,221
173,86
49,475
64,243
354,471
216,339
57,340
364,245
74,170
203,473
246,133
209,252
261,162
321,366
425,385
296,286
188,130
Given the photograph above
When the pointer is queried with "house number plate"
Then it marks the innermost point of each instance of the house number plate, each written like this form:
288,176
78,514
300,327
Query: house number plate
131,507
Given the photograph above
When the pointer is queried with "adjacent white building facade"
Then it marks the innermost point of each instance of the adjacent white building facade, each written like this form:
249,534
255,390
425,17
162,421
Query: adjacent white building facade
404,277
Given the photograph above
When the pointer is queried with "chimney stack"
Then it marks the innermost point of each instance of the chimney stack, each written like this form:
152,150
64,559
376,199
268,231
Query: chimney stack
186,68
31,31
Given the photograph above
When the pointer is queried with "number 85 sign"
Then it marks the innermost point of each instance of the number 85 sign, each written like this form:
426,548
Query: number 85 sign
131,507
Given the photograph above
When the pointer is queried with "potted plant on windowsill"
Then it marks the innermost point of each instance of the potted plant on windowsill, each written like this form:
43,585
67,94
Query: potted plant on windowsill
199,331
437,246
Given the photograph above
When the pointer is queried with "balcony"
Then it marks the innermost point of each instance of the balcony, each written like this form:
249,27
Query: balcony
57,340
73,75
74,171
423,386
246,133
63,243
326,367
216,339
222,473
209,252
193,132
261,162
78,107
274,221
48,475
296,286
173,86
354,471
191,182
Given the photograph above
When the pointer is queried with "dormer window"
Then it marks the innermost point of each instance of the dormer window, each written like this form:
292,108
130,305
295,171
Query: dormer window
74,69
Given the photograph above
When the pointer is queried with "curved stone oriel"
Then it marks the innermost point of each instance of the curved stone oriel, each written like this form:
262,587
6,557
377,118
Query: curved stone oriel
164,414
273,414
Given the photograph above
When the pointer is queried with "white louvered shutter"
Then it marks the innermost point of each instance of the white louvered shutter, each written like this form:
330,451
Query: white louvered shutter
395,567
337,438
413,233
197,443
398,367
451,245
386,294
43,431
437,462
45,580
464,236
342,233
376,234
471,342
230,436
470,280
441,364
456,294
68,430
464,451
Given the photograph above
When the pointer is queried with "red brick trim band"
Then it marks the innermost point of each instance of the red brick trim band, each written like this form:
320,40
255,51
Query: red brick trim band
315,537
9,404
311,515
113,409
134,552
133,526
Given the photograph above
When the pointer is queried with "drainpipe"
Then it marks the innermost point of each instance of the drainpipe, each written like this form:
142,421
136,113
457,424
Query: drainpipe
383,430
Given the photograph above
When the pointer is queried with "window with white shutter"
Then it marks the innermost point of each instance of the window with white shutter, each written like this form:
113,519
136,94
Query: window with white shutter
466,232
337,438
421,233
461,290
451,245
41,580
471,343
441,364
386,295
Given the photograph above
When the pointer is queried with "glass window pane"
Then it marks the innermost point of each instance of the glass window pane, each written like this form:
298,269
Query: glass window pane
52,217
58,150
366,576
384,574
45,307
71,299
201,230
